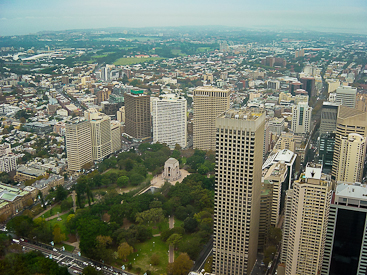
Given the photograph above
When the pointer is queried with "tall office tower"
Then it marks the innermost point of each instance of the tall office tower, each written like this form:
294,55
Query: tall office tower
137,114
306,221
239,145
169,121
349,121
209,102
78,144
301,118
345,245
115,136
101,133
286,225
265,215
329,115
351,158
346,96
276,177
294,86
308,84
326,151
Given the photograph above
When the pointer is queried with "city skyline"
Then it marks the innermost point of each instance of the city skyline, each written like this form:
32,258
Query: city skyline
23,17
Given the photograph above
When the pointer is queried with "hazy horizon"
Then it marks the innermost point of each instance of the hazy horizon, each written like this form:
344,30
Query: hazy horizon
19,17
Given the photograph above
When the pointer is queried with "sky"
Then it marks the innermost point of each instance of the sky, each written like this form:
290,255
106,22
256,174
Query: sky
19,17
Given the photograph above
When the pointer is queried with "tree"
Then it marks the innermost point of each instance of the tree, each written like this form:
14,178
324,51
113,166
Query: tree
58,236
154,215
61,193
174,239
274,235
124,250
181,266
122,181
269,254
190,225
155,259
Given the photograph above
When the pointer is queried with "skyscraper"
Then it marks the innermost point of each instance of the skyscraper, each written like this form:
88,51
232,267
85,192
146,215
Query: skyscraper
345,245
308,84
329,115
209,102
306,221
137,114
346,96
100,133
239,144
351,160
170,121
349,121
301,118
78,144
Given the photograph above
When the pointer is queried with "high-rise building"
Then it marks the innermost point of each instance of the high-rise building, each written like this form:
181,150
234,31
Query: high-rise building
301,118
349,121
308,84
326,151
169,121
346,96
78,140
345,246
329,115
209,102
137,114
306,222
100,133
239,145
351,158
294,86
115,136
265,214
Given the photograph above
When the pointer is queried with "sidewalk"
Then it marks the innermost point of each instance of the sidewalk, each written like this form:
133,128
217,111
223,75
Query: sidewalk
171,254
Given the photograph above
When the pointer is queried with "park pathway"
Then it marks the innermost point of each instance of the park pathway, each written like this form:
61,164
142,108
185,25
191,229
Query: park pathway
171,251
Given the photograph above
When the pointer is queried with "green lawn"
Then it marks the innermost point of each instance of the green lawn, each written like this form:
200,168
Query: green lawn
69,248
177,52
160,227
61,223
143,252
178,222
52,211
134,60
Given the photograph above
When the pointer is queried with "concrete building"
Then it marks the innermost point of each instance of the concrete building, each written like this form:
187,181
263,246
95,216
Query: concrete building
306,221
349,121
265,214
346,96
8,163
121,114
115,136
329,115
345,246
273,84
301,118
170,121
78,140
351,158
287,141
276,125
171,170
137,114
209,102
239,143
100,133
332,85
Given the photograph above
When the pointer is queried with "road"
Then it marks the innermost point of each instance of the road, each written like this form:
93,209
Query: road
74,262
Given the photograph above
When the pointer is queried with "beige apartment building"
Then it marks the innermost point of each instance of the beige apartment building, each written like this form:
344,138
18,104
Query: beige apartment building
209,102
78,144
305,224
115,136
349,121
351,158
239,145
101,133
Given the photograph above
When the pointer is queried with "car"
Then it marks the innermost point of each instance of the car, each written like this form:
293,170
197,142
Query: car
54,249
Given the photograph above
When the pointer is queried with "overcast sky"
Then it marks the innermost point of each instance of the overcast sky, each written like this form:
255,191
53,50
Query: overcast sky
30,16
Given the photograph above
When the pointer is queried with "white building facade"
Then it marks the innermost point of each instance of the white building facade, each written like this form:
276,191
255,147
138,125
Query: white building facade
169,121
